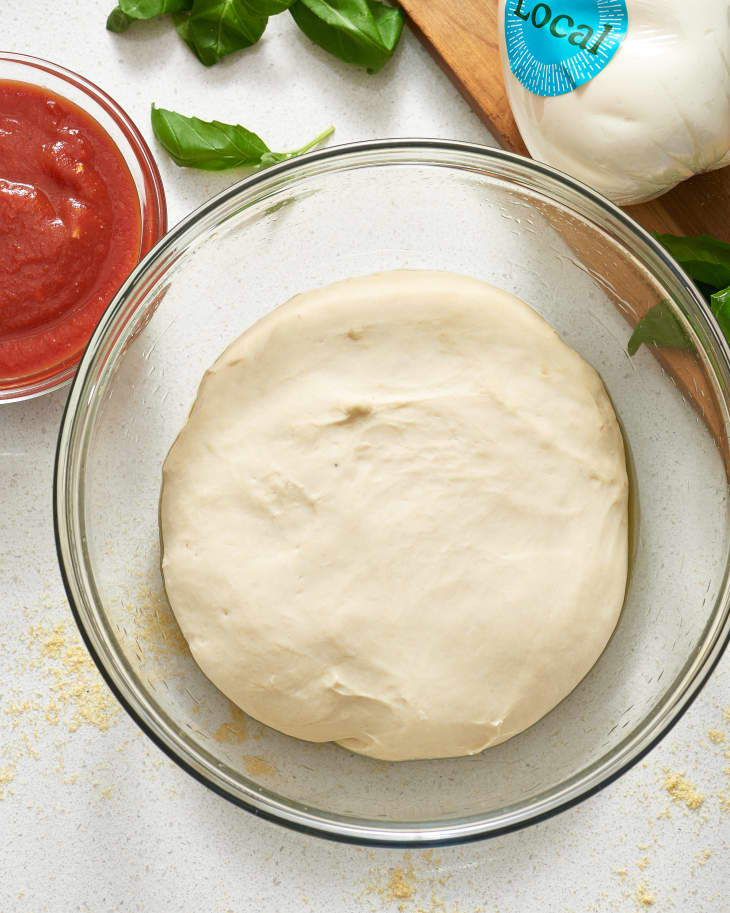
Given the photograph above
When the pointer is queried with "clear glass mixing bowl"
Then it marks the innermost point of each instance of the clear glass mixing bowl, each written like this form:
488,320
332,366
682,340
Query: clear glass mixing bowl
581,263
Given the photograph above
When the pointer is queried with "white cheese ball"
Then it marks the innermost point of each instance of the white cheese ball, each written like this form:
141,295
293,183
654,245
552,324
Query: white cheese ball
658,113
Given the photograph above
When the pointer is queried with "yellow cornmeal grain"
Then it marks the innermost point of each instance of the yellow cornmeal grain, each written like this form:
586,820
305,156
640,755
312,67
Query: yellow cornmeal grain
77,686
52,712
681,790
406,887
714,735
77,689
29,749
398,887
78,683
703,857
18,710
643,863
53,643
234,731
723,796
257,767
438,906
644,895
7,775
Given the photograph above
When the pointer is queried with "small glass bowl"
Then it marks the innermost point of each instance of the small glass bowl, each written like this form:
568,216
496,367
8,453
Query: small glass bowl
139,160
402,204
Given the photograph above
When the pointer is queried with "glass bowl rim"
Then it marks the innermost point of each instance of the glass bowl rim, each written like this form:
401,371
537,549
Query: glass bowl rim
153,211
265,804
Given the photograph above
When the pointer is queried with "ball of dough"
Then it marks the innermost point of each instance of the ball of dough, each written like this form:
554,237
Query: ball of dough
397,517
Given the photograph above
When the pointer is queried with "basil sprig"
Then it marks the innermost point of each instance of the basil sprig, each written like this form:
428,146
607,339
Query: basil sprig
361,32
706,260
215,146
123,15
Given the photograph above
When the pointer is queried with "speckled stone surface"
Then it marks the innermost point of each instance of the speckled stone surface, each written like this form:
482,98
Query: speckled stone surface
92,816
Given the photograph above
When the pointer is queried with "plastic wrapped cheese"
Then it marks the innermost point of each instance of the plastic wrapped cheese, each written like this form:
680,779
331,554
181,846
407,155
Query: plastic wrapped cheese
657,110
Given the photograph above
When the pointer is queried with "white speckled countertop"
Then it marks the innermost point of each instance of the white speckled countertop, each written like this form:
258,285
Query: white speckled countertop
93,817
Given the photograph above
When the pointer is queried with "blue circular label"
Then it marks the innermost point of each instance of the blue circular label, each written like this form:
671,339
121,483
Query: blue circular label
554,48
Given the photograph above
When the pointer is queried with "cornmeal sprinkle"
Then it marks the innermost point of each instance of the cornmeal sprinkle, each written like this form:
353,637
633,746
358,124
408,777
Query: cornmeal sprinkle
681,790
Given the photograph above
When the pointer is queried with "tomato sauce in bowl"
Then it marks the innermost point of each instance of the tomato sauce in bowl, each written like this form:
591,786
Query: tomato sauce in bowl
81,202
70,226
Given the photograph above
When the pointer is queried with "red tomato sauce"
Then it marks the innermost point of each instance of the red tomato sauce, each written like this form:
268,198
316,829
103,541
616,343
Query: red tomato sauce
70,228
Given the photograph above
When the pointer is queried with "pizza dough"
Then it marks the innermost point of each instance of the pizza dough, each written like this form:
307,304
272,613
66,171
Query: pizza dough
397,517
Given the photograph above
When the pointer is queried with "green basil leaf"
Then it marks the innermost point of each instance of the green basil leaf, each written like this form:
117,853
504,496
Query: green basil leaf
704,258
148,9
268,7
707,261
659,327
182,26
118,20
122,16
363,32
215,146
210,145
216,28
720,305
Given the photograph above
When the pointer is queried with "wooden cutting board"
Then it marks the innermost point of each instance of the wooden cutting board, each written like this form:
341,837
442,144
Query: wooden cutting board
463,37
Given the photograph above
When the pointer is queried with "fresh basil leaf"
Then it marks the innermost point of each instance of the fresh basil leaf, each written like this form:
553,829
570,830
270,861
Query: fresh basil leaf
216,28
659,327
209,145
118,20
182,27
268,7
707,261
363,32
704,258
215,146
720,305
148,9
122,16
